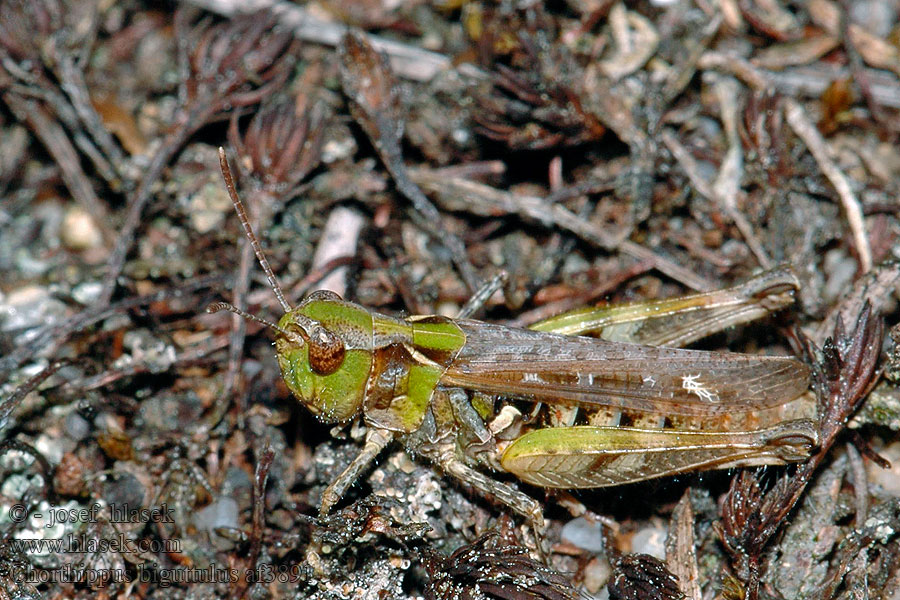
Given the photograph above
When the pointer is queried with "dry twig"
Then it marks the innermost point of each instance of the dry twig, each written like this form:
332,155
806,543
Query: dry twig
804,128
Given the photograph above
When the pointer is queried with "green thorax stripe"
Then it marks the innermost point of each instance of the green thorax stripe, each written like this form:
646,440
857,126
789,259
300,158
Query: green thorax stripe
438,338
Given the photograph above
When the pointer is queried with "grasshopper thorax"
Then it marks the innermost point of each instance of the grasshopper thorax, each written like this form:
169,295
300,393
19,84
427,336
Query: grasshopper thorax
324,348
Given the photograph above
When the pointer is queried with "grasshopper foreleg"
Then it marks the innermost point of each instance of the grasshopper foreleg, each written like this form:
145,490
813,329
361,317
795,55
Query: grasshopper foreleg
376,440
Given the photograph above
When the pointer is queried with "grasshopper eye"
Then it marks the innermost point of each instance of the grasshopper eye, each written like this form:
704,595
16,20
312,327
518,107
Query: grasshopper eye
326,352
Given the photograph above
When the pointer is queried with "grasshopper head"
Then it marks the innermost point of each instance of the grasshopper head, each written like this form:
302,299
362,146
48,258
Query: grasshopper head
324,345
324,350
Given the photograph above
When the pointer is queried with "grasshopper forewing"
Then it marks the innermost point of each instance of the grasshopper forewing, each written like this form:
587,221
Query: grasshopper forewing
634,410
589,372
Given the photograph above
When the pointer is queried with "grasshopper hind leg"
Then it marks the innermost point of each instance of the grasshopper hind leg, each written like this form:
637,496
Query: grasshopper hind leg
506,494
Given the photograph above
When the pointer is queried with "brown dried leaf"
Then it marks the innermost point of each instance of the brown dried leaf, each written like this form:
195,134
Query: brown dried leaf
681,552
238,63
797,52
642,577
837,99
874,50
492,568
844,374
281,145
371,87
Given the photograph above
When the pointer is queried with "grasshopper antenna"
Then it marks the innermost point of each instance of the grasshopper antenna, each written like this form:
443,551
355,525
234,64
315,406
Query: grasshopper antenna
312,329
254,242
217,306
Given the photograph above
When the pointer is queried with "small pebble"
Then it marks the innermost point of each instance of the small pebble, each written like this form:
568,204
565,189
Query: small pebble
402,462
840,268
237,485
650,540
221,513
170,413
887,479
584,533
124,490
596,574
339,144
87,292
27,308
209,207
77,427
79,230
876,16
50,447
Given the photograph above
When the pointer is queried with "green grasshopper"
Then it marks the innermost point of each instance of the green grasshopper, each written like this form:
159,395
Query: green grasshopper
606,411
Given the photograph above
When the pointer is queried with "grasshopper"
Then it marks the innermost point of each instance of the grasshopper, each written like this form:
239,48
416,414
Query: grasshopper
607,410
